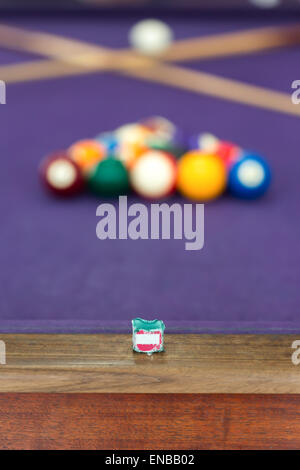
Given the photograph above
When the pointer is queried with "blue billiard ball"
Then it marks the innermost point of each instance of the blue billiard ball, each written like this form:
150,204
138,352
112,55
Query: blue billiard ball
109,140
249,177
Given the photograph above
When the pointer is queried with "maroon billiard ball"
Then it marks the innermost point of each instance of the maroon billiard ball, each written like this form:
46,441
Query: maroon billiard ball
61,175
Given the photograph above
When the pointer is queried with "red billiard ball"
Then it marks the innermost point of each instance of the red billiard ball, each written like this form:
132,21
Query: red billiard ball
154,174
228,152
61,175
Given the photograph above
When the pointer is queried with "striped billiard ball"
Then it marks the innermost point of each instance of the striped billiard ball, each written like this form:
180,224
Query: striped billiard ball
61,175
249,177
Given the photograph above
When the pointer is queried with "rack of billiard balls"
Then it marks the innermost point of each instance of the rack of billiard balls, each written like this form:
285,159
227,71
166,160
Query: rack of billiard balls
153,159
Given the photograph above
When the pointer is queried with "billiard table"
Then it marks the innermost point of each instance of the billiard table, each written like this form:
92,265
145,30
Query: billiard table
71,379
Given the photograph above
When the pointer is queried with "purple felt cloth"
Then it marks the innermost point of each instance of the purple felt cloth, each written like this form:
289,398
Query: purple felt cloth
56,276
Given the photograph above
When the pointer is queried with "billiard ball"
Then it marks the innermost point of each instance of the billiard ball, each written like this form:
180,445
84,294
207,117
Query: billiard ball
150,36
109,141
109,178
61,175
228,151
87,153
174,148
160,127
201,176
205,141
132,142
249,177
165,136
133,133
129,152
154,174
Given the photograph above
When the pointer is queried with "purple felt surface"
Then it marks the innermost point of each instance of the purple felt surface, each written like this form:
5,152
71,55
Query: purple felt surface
56,276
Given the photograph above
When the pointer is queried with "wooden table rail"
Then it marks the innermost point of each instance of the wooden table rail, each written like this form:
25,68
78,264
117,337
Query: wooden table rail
190,364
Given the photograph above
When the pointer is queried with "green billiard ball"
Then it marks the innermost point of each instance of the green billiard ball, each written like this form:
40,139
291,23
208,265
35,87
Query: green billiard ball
109,178
166,146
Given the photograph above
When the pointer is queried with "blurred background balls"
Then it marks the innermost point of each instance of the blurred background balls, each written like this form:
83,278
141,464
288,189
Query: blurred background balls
201,176
86,153
109,141
151,157
132,133
61,175
131,138
249,177
150,36
204,141
154,174
175,147
160,127
228,152
109,178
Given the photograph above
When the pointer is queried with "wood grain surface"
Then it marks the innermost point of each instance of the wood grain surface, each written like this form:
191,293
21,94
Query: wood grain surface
190,364
149,421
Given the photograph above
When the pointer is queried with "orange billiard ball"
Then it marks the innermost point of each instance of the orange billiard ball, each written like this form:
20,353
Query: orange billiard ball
86,154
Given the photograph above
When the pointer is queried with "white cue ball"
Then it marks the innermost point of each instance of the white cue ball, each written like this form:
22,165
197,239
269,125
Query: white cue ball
150,36
154,174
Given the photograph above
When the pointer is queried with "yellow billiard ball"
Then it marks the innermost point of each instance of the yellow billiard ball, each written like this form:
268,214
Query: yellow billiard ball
201,176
